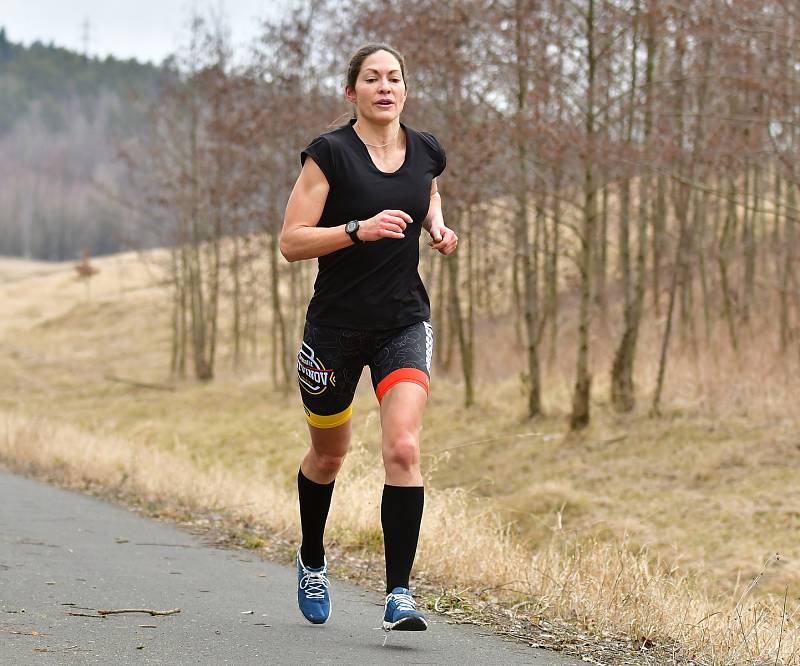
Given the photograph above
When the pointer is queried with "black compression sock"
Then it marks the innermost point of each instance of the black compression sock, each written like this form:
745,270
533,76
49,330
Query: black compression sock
315,500
401,515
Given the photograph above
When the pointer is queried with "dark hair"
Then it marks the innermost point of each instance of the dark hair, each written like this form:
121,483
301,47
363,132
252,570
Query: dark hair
358,58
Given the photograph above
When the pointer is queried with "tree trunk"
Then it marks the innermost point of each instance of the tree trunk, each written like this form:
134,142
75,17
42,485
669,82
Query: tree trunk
457,320
280,354
624,241
580,415
184,278
527,252
700,229
673,290
197,309
750,247
177,302
723,260
747,243
552,268
237,305
659,235
601,255
443,318
622,388
212,324
787,268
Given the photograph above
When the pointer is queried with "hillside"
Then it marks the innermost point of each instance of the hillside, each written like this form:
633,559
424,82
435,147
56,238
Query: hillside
704,496
63,117
41,79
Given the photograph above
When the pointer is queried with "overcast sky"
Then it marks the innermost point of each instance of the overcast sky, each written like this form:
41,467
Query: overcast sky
142,29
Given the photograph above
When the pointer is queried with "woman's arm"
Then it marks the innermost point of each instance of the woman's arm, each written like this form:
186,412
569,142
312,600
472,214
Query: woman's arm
301,238
443,239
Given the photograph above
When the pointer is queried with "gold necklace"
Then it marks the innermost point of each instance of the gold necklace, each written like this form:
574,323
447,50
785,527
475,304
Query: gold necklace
375,145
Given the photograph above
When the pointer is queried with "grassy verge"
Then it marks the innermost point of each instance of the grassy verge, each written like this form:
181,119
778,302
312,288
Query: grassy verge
609,589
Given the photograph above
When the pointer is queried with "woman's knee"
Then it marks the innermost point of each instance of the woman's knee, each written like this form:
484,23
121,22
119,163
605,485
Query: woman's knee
328,449
402,451
327,463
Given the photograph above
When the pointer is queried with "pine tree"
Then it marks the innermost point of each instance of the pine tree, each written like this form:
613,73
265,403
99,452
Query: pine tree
5,46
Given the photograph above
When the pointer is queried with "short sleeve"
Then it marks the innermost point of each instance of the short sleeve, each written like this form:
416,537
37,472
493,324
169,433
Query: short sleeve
320,150
442,159
436,151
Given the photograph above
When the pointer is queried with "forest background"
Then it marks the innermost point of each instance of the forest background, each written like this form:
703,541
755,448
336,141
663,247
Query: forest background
619,327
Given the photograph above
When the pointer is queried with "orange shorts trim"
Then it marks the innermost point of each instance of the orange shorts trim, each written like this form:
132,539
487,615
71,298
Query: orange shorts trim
402,375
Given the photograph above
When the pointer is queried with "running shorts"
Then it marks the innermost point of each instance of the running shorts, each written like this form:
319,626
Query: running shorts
331,360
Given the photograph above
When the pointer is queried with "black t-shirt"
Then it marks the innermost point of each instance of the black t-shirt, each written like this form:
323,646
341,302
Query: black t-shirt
373,285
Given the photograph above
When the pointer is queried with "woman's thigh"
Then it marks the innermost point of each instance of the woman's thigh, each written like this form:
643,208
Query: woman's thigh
332,442
402,409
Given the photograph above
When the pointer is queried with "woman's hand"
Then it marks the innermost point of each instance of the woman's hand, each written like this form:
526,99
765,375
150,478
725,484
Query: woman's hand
386,224
443,239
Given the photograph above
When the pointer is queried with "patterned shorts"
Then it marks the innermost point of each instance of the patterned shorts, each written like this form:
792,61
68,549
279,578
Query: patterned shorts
331,360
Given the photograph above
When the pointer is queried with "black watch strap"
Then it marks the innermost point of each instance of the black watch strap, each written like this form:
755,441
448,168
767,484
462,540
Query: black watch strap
352,230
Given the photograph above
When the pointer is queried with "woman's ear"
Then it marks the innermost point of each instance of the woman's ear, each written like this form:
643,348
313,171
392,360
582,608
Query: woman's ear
350,94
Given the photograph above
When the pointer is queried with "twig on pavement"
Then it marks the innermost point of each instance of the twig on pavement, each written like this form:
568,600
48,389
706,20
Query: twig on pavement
139,610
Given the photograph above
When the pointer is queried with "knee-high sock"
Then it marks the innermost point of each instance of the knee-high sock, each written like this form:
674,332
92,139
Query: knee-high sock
315,500
401,515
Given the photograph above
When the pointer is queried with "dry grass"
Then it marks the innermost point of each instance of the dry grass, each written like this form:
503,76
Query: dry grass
649,527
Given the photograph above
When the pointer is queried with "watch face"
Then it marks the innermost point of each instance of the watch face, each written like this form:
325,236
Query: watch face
351,226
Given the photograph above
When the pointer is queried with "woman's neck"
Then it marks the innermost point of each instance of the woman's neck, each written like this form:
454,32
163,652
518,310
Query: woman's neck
378,136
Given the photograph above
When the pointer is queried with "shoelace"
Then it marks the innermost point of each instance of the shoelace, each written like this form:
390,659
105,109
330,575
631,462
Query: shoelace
403,602
314,583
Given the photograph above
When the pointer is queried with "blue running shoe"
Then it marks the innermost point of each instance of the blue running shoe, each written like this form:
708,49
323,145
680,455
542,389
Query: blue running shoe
401,614
312,591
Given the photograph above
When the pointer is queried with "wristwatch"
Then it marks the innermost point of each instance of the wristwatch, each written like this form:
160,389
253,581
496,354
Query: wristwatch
352,230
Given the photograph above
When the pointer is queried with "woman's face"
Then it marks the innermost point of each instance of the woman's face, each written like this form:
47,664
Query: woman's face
380,91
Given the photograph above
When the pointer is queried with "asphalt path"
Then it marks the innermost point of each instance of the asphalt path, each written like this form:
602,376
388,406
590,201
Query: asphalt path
63,552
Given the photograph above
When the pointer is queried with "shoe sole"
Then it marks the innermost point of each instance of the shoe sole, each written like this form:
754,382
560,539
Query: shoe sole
330,613
406,624
317,621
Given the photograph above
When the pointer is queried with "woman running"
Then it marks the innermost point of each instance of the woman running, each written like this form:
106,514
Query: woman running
359,205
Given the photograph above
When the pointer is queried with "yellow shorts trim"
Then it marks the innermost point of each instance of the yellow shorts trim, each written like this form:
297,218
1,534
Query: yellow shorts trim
328,421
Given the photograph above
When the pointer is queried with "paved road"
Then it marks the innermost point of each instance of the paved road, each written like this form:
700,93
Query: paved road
61,551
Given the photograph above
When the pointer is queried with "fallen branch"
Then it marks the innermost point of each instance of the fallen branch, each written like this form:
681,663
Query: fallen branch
613,440
147,385
140,610
493,440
